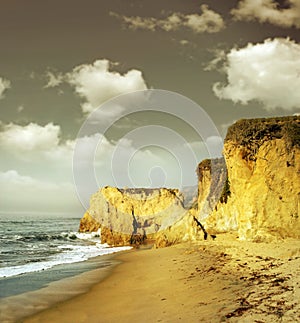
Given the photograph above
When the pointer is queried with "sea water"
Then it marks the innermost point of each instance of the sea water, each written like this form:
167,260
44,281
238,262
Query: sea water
36,250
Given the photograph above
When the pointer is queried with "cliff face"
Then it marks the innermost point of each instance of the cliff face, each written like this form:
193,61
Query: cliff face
212,175
262,196
254,191
129,216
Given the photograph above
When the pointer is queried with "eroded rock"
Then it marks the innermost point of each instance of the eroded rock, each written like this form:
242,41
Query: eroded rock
130,216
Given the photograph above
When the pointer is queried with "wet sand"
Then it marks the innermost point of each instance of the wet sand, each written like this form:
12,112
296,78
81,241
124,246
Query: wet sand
52,286
211,281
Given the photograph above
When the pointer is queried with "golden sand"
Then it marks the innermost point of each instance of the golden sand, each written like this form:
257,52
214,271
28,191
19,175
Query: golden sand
211,281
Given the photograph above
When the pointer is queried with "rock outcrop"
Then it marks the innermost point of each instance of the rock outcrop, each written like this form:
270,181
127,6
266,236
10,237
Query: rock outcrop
261,196
212,177
212,180
130,216
253,191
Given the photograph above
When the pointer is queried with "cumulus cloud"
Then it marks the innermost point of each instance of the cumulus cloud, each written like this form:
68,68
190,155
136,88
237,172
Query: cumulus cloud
36,169
36,147
209,21
37,163
53,80
4,85
30,137
39,150
269,11
267,72
96,83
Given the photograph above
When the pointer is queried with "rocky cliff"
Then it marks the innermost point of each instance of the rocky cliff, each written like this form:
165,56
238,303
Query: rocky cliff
253,191
212,180
261,195
130,216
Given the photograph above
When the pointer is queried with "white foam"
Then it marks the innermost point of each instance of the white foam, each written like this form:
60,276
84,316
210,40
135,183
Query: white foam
70,254
85,236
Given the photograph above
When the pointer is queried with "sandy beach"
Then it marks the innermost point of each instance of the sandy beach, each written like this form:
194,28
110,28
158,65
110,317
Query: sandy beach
224,280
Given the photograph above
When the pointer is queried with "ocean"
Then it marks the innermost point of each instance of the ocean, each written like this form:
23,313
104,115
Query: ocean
36,250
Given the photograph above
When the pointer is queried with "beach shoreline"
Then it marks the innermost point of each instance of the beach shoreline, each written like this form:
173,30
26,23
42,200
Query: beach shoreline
207,281
14,308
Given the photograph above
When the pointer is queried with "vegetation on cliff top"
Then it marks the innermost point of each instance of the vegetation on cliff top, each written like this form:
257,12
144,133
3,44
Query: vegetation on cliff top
246,131
252,133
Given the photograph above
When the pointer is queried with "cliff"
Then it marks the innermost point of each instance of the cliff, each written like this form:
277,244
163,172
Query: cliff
130,216
261,196
212,180
253,191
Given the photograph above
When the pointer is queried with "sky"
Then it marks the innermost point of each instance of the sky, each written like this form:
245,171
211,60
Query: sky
60,61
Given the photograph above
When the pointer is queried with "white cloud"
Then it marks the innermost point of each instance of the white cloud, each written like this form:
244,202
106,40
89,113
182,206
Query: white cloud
20,108
62,152
220,56
184,42
172,22
96,83
37,148
4,85
267,72
137,22
53,80
269,11
38,152
209,21
30,137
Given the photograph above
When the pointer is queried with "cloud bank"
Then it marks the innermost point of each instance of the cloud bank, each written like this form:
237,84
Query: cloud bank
269,11
23,193
267,72
36,170
36,173
209,21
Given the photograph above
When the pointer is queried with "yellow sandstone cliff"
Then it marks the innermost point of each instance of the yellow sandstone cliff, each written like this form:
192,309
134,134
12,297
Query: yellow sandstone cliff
129,216
261,200
253,191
